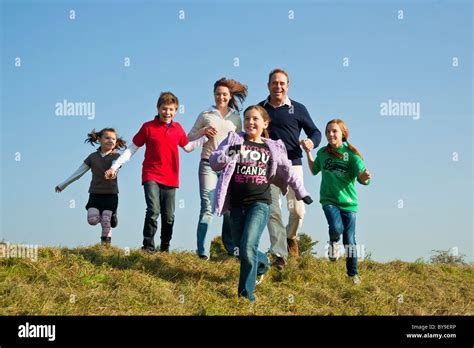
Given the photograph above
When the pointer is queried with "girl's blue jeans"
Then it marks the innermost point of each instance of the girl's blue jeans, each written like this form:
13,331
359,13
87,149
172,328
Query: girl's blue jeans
248,223
343,222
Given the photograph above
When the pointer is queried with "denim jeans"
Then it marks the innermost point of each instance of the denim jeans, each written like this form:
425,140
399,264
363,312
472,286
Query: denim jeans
207,189
279,233
343,222
248,223
159,199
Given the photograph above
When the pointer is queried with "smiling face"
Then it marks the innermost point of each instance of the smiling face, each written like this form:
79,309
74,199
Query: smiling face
278,87
254,124
107,141
222,97
334,135
167,112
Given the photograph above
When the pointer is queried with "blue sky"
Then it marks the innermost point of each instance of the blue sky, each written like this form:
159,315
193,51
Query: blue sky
82,60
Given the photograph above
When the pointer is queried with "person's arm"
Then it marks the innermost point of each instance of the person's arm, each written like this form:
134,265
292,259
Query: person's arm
362,174
111,173
192,145
125,157
222,156
310,158
198,129
307,147
312,132
75,176
297,185
138,141
364,177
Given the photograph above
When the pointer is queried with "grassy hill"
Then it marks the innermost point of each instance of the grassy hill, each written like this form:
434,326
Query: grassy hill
105,281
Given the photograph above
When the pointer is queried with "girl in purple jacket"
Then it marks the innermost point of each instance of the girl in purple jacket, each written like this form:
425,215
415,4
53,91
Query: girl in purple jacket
250,162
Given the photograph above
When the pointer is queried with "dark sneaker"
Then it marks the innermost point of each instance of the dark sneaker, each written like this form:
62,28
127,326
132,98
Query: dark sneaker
148,250
204,257
114,220
279,263
105,241
165,248
293,247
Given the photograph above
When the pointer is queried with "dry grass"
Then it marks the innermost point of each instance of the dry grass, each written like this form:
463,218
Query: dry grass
104,281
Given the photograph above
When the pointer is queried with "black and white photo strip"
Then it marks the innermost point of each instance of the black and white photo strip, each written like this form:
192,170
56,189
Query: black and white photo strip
236,172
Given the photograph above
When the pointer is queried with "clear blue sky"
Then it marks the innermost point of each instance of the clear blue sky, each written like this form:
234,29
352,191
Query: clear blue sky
82,60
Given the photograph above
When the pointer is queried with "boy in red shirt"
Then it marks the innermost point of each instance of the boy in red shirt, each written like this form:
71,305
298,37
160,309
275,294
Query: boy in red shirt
160,173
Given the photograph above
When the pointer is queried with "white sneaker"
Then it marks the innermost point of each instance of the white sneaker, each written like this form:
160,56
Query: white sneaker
333,251
259,279
355,279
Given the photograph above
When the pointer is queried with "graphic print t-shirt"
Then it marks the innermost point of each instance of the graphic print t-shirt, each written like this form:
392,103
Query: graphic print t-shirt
338,177
249,182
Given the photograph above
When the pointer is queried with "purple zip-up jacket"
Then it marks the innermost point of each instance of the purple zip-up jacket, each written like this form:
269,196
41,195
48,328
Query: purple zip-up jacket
281,172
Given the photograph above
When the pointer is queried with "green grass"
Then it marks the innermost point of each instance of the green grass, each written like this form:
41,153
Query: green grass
104,281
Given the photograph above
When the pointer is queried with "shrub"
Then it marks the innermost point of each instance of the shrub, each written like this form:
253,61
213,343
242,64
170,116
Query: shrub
306,244
449,256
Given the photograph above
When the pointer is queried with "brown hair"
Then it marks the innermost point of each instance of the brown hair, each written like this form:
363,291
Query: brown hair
278,70
167,98
236,89
93,138
345,136
264,115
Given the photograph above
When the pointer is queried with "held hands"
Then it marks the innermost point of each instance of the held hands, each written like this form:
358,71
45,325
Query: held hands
110,174
307,145
364,176
210,131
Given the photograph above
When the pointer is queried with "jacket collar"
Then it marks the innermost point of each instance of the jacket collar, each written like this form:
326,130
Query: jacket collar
214,110
287,102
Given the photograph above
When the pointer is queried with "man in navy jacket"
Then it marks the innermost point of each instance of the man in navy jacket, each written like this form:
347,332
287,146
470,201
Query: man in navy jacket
287,119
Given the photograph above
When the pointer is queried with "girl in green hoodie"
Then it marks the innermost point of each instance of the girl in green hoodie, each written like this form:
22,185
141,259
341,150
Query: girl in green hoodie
340,165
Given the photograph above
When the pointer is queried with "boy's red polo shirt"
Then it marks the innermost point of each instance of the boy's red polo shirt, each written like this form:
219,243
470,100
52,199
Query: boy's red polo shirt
161,162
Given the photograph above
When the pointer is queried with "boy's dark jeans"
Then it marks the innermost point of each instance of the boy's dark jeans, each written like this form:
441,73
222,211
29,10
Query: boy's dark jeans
159,199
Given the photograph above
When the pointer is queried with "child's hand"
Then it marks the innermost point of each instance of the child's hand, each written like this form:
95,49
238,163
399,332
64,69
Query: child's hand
308,200
364,176
210,131
307,145
57,189
110,174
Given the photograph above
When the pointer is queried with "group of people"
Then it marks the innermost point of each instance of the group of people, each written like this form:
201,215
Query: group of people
243,172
